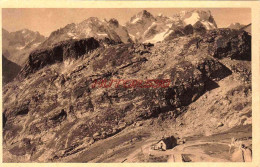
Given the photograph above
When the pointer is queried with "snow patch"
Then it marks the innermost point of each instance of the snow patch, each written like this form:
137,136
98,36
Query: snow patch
132,37
88,30
37,44
70,34
24,31
158,37
102,34
192,19
208,25
168,33
153,24
135,20
20,47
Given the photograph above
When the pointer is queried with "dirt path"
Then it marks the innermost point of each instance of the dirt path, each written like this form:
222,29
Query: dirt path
175,154
131,157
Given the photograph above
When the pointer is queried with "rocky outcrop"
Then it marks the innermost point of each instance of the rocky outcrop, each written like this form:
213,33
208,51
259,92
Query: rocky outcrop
234,44
60,52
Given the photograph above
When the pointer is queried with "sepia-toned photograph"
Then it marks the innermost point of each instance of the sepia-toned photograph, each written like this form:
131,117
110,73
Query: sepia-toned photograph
126,85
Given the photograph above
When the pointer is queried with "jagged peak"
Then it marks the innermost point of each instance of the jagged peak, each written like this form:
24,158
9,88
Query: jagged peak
201,11
161,17
70,25
144,14
113,22
92,19
195,15
25,32
188,13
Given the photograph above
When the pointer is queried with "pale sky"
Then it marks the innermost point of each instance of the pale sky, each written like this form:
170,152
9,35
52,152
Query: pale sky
50,19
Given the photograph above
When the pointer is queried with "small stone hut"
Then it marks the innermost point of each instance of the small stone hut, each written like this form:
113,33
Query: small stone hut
165,143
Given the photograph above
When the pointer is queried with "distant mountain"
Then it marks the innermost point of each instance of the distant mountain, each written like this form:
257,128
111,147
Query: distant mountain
91,27
143,23
144,27
10,70
236,26
247,28
20,43
194,16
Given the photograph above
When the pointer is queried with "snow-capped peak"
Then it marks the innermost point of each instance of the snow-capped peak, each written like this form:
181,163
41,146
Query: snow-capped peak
143,15
192,19
194,16
113,22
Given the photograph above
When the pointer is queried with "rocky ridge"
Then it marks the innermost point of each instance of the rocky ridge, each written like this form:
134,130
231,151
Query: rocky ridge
91,27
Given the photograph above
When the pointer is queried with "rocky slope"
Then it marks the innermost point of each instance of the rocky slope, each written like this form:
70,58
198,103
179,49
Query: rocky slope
53,111
17,45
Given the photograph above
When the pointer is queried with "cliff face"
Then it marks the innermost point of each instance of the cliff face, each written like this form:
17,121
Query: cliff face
53,110
60,52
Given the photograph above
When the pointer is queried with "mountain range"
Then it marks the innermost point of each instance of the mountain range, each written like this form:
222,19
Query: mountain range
17,45
142,27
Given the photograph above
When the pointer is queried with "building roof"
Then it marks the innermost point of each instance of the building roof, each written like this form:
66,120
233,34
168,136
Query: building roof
168,140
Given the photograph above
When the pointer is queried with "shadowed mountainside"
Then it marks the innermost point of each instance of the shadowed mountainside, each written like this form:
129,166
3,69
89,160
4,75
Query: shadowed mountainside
10,70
